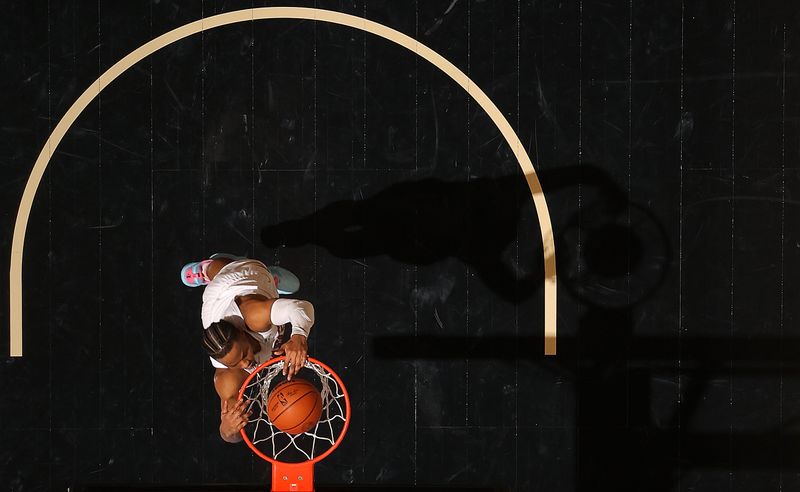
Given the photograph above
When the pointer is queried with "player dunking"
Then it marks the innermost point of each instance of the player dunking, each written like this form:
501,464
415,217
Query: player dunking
246,324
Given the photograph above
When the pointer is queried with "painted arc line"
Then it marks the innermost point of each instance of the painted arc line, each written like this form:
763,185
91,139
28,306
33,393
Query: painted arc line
297,13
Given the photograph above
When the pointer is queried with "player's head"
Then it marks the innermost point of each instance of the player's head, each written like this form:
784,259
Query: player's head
229,345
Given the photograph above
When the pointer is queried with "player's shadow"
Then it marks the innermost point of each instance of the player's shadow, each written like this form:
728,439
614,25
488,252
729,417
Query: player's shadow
476,221
424,222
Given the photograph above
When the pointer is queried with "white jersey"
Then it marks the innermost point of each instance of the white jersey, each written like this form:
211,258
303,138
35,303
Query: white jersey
236,279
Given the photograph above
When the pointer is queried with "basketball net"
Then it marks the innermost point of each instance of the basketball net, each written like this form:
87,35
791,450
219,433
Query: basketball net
293,455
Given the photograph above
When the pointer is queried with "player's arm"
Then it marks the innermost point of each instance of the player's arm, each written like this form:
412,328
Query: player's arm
261,313
233,413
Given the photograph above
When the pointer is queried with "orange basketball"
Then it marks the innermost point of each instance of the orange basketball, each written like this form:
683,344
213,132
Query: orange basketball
294,406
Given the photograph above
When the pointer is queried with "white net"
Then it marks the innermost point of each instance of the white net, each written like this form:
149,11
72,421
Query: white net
296,448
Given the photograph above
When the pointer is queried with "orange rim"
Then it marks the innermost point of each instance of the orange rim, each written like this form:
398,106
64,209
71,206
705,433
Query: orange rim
339,438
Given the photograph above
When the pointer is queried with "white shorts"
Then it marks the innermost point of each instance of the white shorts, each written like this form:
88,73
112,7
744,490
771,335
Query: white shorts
236,279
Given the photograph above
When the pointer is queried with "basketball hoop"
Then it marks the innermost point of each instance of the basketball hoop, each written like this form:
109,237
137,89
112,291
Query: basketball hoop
293,455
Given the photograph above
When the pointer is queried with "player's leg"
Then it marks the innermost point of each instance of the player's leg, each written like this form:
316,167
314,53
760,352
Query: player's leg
199,273
215,266
286,282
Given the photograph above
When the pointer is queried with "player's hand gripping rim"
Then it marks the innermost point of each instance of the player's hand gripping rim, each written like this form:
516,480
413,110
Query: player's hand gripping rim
234,416
295,353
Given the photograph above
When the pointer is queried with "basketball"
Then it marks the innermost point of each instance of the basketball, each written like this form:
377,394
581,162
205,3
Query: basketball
294,406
